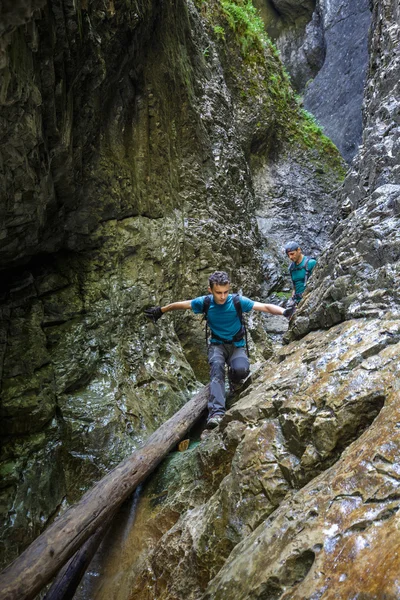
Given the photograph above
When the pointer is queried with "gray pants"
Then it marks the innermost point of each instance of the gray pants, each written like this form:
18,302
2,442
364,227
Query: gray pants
239,368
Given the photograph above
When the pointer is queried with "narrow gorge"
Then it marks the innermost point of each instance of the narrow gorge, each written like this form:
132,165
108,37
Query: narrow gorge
146,144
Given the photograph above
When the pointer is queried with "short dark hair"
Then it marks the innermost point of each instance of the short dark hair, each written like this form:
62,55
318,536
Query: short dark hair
218,278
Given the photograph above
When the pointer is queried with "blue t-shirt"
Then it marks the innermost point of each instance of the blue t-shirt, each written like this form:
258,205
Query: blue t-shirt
222,318
298,274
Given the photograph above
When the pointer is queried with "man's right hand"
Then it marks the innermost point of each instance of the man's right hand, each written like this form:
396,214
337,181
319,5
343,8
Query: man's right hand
154,313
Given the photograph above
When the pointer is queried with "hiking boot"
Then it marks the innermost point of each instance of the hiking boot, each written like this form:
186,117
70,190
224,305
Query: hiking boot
213,422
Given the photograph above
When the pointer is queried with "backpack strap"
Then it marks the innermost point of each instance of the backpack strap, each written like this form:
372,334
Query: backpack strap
308,271
239,311
238,306
294,267
206,306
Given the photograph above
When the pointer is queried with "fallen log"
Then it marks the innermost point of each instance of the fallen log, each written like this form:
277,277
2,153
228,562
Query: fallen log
66,583
38,564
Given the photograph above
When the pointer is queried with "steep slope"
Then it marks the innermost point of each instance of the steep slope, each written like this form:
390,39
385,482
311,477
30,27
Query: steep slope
324,46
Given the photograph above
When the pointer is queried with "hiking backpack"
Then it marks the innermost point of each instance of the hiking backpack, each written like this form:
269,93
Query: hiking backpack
242,333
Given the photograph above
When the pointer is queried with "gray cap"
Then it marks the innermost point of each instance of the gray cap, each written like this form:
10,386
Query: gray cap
291,246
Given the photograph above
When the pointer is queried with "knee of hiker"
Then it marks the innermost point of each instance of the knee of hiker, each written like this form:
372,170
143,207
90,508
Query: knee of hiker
240,370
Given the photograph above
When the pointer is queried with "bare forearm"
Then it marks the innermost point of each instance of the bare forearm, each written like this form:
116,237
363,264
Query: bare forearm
272,309
184,305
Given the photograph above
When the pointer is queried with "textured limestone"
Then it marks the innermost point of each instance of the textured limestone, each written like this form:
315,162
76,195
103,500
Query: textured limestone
338,537
292,194
309,479
128,136
303,410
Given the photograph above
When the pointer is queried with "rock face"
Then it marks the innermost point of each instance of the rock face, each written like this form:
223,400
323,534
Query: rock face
297,30
290,204
324,48
358,275
303,467
296,495
131,133
335,94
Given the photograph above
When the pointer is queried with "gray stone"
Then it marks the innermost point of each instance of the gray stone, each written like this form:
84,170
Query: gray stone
335,94
323,46
127,142
313,446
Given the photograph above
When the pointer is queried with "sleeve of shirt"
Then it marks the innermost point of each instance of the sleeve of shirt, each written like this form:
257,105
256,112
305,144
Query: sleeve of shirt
246,303
197,304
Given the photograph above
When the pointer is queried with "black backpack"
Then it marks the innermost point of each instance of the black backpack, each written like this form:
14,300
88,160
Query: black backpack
242,333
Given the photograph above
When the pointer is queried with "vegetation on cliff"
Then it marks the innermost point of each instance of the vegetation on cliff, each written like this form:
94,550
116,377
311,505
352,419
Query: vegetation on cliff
253,64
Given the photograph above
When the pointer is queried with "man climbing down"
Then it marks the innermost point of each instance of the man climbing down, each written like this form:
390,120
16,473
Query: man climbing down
300,270
227,344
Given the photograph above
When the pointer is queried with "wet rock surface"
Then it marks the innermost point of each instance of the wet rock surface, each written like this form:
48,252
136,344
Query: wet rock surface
335,538
295,495
129,135
335,94
304,500
331,399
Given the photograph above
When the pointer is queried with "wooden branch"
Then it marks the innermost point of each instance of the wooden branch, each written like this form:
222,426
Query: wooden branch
38,564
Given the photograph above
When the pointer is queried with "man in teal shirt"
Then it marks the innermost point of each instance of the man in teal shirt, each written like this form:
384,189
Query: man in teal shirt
300,270
227,344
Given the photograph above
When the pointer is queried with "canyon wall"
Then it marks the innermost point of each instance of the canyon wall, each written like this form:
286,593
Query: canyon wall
324,47
130,132
296,495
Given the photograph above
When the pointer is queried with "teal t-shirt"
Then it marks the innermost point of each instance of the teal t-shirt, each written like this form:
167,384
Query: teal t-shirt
222,318
298,274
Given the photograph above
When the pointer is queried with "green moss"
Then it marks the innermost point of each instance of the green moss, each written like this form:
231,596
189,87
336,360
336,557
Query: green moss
310,134
219,31
243,18
259,74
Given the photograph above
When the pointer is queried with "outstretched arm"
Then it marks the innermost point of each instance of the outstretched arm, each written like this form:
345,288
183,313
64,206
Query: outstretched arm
273,309
156,312
184,305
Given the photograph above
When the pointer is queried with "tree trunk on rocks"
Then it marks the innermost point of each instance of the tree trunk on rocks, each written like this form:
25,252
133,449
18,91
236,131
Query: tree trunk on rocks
29,573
